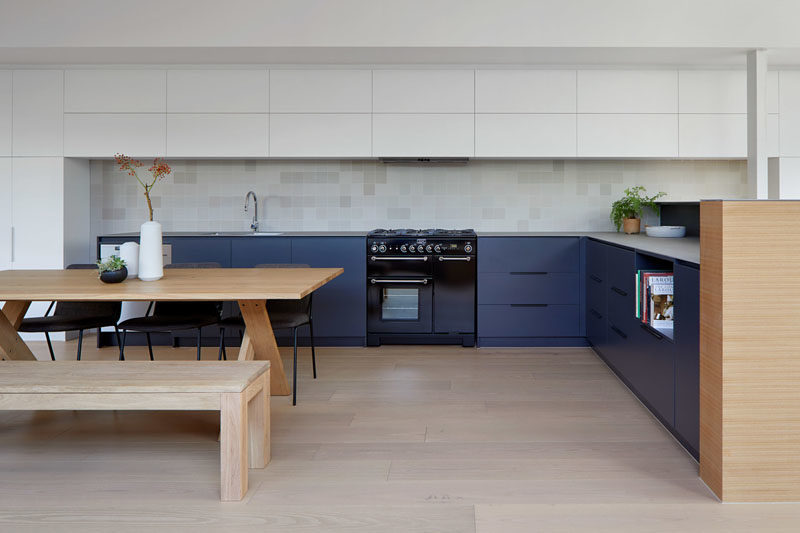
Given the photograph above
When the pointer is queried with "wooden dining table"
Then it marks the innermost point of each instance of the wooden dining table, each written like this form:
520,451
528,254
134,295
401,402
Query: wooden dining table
250,287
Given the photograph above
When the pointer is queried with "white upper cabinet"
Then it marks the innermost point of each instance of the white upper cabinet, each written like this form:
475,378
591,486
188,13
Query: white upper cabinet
712,91
320,135
525,91
217,91
627,91
524,135
5,212
713,136
423,135
115,91
5,113
104,134
423,91
217,135
632,135
38,113
320,91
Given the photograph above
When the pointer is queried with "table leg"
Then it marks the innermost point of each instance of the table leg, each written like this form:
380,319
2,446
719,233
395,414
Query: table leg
233,446
259,343
258,423
12,347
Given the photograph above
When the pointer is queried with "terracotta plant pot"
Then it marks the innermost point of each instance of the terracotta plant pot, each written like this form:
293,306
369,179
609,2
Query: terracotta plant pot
115,276
631,225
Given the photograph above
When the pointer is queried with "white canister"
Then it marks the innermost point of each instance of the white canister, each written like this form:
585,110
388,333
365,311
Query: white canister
129,252
151,263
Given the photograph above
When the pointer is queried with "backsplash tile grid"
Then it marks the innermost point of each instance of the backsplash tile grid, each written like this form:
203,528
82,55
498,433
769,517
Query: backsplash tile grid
540,195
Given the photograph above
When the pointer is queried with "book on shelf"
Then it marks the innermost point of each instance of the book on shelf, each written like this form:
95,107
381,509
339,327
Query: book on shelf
655,298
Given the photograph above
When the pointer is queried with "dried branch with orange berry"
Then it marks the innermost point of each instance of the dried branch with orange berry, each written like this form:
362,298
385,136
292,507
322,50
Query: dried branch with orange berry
158,170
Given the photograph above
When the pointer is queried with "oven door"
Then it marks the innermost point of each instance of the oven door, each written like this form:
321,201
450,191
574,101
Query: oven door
399,305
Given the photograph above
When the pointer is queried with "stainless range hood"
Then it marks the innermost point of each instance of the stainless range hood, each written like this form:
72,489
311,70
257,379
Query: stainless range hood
424,160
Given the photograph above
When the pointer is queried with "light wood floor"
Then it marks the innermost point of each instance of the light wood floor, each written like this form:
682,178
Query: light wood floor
394,439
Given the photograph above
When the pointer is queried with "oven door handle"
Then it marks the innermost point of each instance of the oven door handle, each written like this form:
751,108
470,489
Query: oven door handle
417,258
417,281
467,259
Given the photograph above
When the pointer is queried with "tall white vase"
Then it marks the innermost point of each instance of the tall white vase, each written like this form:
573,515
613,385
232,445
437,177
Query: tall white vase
151,262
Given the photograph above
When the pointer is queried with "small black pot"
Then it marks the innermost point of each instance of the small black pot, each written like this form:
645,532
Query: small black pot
115,276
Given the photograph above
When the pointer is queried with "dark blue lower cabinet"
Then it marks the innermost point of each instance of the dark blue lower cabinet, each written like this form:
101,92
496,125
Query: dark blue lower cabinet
529,320
596,328
687,356
247,252
340,311
655,372
200,250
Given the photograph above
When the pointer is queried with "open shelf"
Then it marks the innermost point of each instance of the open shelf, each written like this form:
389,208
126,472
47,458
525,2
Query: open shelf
654,266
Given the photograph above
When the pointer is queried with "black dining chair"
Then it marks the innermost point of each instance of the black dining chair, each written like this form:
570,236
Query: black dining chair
174,316
283,314
75,316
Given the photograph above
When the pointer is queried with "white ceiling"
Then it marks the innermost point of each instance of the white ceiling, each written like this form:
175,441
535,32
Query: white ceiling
527,56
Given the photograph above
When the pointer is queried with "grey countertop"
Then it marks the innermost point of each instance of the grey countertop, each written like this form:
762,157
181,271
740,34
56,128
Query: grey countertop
686,249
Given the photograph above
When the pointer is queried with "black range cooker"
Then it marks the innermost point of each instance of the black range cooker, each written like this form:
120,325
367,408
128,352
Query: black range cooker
421,286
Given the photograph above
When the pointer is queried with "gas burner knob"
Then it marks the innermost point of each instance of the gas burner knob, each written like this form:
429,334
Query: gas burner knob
404,248
468,248
429,248
374,248
437,248
382,248
412,248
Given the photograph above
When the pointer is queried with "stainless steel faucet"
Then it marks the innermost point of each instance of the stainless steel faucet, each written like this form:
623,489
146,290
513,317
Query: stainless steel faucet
254,223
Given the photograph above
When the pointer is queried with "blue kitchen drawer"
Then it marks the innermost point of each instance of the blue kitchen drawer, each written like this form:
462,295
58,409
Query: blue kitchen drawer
596,328
528,321
528,254
247,252
621,283
545,288
654,375
596,260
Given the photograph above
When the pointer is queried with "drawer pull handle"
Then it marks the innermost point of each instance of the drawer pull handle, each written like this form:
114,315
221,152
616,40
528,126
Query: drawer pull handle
528,273
595,278
595,313
655,334
528,305
619,291
619,332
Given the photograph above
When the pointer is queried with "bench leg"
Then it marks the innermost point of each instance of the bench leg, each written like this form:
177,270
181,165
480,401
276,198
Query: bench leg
258,423
233,445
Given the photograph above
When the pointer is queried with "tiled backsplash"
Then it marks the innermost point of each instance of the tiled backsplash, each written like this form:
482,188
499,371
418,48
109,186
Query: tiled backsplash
571,195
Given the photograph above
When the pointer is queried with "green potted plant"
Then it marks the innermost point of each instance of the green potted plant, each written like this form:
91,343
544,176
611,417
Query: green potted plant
112,270
626,212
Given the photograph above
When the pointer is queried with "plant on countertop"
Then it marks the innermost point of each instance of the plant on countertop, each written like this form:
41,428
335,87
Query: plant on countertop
112,264
633,204
158,170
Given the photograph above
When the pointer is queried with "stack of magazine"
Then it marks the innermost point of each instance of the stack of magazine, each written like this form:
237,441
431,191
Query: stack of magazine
655,298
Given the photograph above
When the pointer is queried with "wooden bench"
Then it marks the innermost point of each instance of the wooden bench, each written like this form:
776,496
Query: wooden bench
239,390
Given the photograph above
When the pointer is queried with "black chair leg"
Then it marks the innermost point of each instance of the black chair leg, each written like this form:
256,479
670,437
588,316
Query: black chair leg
122,346
294,370
50,346
221,344
199,344
80,343
150,346
313,355
119,343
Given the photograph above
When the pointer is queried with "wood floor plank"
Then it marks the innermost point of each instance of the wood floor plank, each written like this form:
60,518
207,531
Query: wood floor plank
397,438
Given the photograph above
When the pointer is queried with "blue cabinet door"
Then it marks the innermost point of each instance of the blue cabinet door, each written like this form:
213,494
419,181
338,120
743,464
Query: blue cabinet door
529,254
200,250
543,288
247,252
654,375
525,320
687,355
596,297
340,305
621,283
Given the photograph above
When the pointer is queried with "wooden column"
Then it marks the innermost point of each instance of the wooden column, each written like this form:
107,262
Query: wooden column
750,350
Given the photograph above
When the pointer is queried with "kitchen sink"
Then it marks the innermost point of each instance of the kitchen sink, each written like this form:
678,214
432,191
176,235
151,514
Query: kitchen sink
244,234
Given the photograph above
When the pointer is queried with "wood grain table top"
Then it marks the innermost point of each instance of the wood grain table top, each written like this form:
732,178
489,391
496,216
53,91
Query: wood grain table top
177,284
128,376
